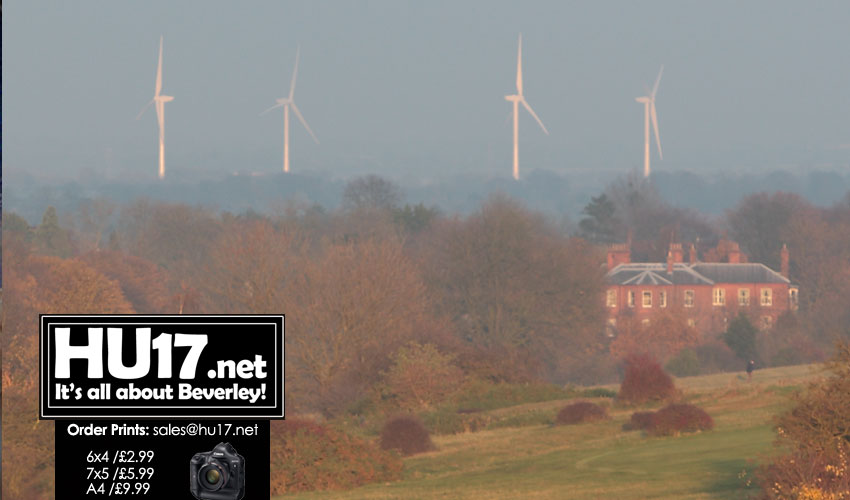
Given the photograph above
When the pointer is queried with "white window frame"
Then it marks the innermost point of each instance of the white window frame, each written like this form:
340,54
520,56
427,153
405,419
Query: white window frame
718,296
644,322
611,297
766,322
692,322
743,296
631,298
662,299
690,297
766,297
646,298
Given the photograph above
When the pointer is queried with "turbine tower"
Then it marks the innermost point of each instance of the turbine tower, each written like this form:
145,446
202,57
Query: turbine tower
160,101
649,111
516,99
286,102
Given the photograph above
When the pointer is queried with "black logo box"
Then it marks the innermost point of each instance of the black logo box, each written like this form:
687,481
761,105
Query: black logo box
229,338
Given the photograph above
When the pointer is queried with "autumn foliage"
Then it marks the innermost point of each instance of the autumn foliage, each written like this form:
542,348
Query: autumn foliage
678,418
307,456
645,381
406,434
816,432
580,412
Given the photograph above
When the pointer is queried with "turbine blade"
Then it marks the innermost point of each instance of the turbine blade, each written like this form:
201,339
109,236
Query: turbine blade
535,116
303,121
159,70
271,108
657,81
519,67
294,74
144,109
655,127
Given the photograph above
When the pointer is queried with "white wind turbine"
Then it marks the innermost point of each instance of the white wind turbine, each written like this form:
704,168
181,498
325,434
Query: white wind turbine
286,102
649,111
516,99
160,101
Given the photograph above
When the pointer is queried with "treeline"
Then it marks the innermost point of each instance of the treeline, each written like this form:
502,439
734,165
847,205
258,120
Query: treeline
389,304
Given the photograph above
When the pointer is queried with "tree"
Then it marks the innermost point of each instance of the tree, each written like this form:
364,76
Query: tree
50,238
421,376
818,437
370,193
251,265
758,223
524,299
357,303
666,334
601,224
144,284
740,336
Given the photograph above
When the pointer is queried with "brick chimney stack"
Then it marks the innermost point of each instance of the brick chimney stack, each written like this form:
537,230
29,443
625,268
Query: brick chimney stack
734,254
670,260
677,252
783,257
619,254
692,254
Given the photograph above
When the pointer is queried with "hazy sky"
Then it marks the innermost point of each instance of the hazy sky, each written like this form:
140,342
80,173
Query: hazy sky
416,89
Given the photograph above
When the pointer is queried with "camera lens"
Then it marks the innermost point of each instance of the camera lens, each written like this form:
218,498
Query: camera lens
212,477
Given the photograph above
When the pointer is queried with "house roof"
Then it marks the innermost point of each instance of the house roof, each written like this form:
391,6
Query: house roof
650,273
739,273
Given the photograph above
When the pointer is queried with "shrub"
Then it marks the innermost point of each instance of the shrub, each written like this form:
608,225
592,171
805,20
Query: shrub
644,381
684,364
741,337
308,456
715,356
816,433
421,376
676,418
580,412
407,434
640,420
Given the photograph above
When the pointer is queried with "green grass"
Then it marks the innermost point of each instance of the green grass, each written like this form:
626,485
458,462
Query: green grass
533,459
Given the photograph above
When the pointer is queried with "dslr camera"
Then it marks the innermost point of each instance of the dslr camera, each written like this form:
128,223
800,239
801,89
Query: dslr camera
218,474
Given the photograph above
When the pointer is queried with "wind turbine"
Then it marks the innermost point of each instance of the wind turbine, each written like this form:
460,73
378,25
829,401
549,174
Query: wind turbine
516,99
286,102
160,101
649,110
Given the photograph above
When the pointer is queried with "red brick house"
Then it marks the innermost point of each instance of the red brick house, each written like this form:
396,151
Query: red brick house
709,294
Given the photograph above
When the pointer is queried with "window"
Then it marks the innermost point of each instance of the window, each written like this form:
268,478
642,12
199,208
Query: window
766,322
662,299
611,329
631,298
792,298
766,297
689,298
692,322
644,322
743,296
646,299
719,297
611,298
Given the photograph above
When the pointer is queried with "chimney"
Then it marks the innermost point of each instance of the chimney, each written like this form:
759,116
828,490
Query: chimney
692,254
619,254
677,253
734,253
783,257
670,261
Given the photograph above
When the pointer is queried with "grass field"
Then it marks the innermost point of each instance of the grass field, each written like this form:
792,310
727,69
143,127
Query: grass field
600,460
